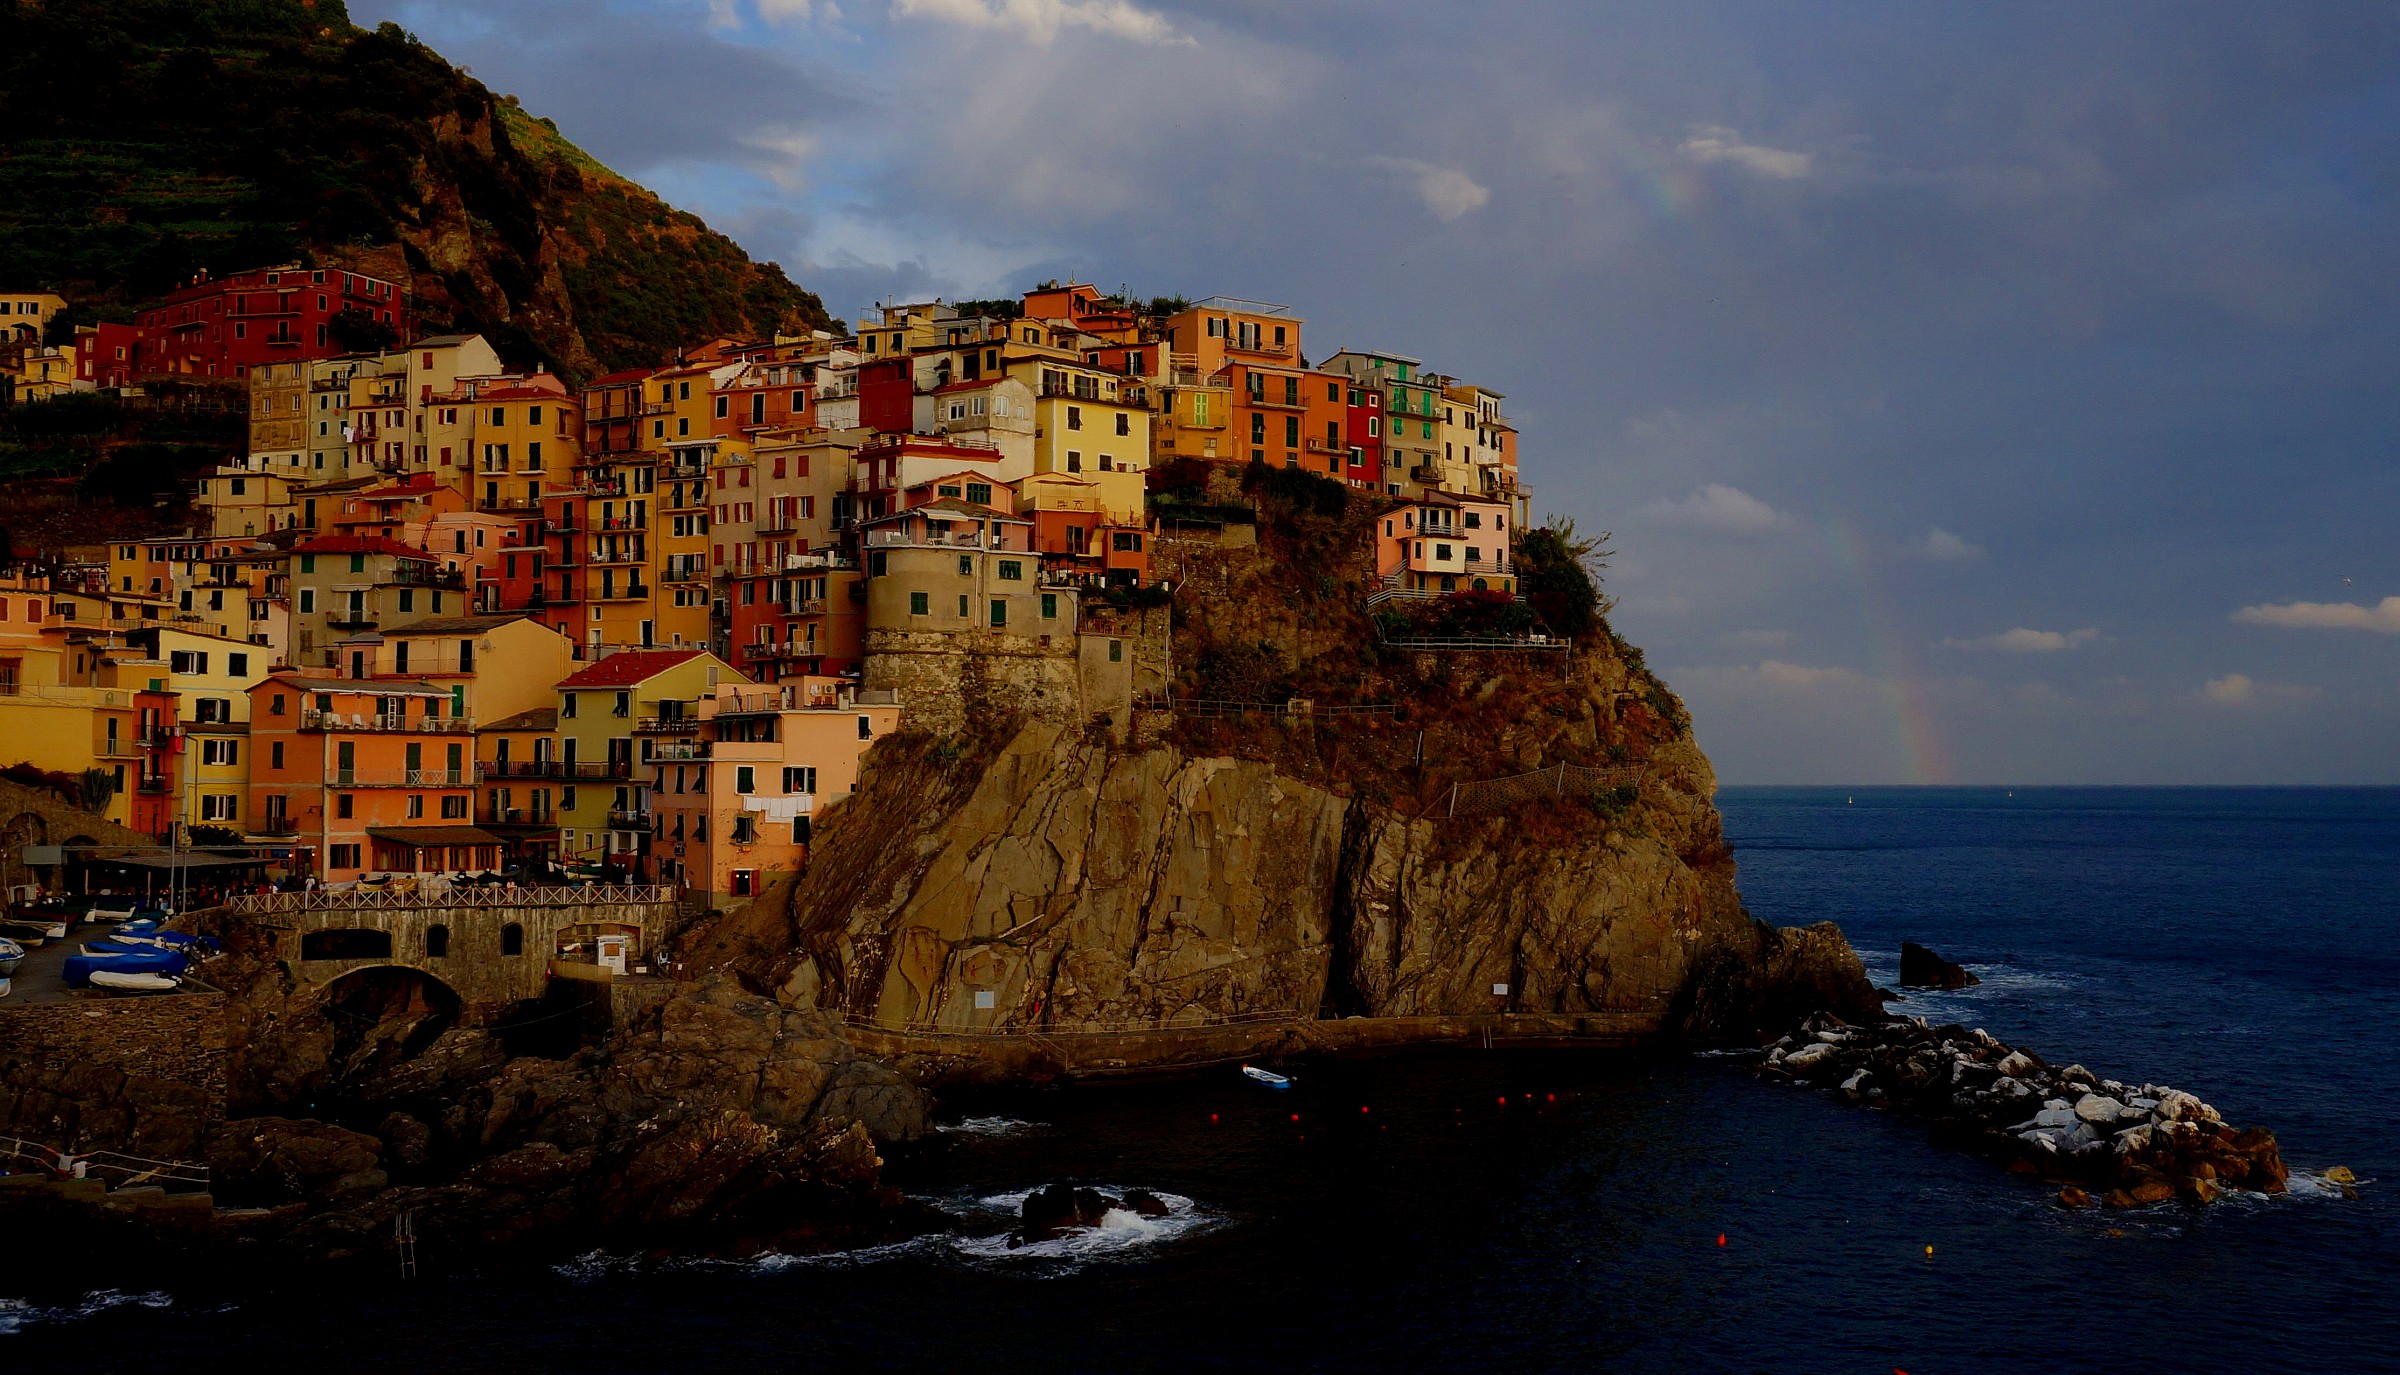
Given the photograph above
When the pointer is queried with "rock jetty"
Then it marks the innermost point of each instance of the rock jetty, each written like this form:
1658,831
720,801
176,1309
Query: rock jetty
1921,968
2129,1144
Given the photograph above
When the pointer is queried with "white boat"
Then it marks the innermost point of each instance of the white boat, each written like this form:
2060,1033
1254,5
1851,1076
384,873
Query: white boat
148,983
11,955
1268,1077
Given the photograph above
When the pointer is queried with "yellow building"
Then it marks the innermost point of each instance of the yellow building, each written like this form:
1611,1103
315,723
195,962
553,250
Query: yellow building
1087,422
604,802
25,315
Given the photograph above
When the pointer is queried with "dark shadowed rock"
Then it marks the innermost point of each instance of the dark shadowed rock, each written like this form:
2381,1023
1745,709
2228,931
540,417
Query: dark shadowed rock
1921,968
1143,1203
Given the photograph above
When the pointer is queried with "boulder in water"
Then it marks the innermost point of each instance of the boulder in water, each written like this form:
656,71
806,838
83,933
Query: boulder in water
1921,968
1143,1203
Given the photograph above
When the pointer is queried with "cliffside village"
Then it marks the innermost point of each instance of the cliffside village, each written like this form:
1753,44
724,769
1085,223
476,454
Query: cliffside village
445,617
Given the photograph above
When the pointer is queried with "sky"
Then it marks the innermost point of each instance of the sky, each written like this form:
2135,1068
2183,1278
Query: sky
1975,394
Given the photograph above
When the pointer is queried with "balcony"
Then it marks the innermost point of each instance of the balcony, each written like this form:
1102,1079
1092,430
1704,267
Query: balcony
351,620
601,487
684,572
399,778
618,523
613,768
426,575
519,768
775,524
151,787
396,723
509,506
641,819
666,725
527,817
632,592
894,539
678,751
793,563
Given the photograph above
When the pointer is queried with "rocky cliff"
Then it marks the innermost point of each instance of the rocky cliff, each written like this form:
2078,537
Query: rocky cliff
1220,865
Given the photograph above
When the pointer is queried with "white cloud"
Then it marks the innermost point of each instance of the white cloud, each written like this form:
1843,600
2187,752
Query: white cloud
1941,546
1042,20
795,11
783,154
2024,641
1716,143
2383,617
1781,674
2241,690
1447,192
1717,509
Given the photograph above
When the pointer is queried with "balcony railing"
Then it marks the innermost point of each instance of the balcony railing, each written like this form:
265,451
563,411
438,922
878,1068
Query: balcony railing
930,539
774,523
630,819
151,786
610,768
679,751
684,572
519,768
516,816
666,725
400,778
632,592
399,722
793,563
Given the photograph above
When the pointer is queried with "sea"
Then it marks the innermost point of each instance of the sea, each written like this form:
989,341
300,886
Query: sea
1497,1211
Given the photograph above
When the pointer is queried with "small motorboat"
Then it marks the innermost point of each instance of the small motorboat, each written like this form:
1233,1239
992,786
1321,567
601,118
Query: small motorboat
137,981
112,909
1268,1077
33,933
80,967
11,955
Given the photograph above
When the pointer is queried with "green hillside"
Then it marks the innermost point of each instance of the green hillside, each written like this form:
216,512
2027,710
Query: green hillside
148,139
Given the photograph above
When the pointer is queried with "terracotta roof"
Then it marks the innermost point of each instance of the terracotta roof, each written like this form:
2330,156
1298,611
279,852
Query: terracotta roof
540,718
459,625
629,667
359,544
620,378
433,835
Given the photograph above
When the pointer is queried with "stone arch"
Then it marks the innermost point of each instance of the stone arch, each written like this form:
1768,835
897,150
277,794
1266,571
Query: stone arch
79,857
381,1014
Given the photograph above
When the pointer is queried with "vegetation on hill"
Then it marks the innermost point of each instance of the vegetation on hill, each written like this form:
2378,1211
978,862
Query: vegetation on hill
152,139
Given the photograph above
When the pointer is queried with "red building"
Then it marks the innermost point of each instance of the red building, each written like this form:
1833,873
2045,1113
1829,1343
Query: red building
220,327
887,395
1364,464
104,354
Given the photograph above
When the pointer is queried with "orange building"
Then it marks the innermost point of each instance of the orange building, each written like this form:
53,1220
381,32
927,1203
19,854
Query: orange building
364,777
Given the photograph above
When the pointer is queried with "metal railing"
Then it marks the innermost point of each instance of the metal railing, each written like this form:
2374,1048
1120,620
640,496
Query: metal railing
400,778
460,895
130,1170
348,721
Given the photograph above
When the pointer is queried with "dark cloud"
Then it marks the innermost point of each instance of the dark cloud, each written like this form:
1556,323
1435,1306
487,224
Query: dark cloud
2102,294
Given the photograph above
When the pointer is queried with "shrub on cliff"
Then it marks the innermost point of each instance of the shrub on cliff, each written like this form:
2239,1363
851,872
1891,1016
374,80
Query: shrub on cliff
1559,570
1297,490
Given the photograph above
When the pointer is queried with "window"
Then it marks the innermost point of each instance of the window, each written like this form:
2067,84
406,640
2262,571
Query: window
566,701
416,805
980,493
963,612
275,755
866,726
342,806
1116,651
1012,570
745,779
799,830
454,809
1074,417
800,780
275,705
920,604
1124,423
999,614
1074,461
512,939
342,857
358,563
1049,606
624,706
437,941
238,665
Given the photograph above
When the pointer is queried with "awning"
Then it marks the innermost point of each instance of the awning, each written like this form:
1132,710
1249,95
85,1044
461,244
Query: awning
422,836
197,859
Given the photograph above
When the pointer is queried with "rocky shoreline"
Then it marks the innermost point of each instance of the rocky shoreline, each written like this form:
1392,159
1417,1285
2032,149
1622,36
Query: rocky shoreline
2129,1144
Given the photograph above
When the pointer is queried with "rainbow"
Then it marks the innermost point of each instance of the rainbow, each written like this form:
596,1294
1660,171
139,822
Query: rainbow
1915,734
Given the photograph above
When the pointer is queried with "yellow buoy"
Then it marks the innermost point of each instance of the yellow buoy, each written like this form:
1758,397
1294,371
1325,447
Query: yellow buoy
1929,1253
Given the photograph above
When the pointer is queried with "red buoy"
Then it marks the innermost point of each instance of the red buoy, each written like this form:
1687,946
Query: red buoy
1720,1238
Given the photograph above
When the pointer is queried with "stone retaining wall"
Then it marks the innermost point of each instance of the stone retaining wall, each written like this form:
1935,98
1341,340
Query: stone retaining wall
142,1075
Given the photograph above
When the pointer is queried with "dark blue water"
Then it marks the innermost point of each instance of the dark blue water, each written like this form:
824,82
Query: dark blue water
2236,943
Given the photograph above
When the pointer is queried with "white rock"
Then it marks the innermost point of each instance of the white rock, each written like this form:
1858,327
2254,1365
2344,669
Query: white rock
2016,1064
1833,1038
2092,1107
2056,1103
1850,1085
1807,1056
